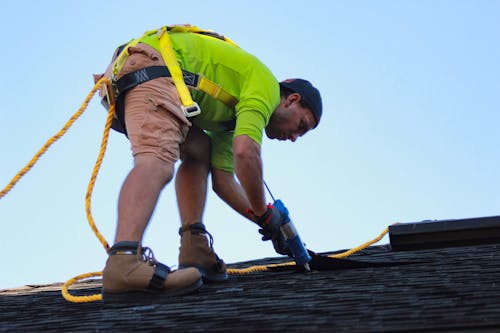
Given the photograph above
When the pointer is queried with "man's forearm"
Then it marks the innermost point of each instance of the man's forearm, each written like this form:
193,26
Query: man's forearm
248,169
228,189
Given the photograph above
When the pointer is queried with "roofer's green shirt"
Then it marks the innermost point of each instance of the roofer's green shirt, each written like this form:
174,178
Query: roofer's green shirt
240,74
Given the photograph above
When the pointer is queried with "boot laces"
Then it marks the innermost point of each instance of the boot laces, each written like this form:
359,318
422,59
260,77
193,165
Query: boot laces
202,230
148,256
199,229
211,243
210,239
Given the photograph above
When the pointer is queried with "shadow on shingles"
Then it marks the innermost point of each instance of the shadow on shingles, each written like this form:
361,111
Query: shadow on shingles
324,263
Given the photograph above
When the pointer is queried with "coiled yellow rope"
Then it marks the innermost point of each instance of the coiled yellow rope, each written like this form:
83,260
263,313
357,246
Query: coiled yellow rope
97,297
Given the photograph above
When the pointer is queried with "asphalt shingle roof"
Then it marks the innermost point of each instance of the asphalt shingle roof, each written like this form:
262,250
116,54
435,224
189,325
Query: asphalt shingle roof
447,289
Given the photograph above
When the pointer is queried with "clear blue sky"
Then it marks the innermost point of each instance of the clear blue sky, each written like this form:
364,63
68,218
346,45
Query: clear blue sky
410,126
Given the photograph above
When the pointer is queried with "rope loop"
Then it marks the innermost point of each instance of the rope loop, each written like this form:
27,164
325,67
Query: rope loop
80,299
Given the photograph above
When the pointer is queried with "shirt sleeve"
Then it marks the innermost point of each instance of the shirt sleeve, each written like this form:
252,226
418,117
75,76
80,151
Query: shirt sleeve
251,123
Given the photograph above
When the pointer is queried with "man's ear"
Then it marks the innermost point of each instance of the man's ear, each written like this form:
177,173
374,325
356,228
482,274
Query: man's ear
292,98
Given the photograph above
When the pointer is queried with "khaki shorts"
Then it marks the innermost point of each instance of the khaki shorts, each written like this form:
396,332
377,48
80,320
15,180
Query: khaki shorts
155,122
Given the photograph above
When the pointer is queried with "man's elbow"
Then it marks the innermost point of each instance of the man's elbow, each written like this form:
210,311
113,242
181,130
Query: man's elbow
217,186
245,147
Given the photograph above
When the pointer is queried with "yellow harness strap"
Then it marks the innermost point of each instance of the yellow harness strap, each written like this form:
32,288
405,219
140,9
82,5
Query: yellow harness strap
216,91
189,107
120,59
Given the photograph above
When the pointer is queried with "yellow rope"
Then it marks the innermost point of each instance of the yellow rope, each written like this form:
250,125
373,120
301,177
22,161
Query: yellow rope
361,247
42,151
231,271
80,299
51,141
95,171
88,196
263,268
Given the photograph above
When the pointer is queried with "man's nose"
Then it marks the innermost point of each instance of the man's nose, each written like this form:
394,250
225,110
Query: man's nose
293,137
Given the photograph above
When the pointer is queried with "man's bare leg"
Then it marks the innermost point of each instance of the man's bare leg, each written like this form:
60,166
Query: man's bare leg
139,195
191,188
127,273
191,178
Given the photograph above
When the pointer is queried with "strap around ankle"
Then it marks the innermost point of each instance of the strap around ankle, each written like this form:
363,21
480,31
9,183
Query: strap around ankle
159,275
124,247
196,228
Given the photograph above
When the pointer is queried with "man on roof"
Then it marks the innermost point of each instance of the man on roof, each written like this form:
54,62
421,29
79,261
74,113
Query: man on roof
224,140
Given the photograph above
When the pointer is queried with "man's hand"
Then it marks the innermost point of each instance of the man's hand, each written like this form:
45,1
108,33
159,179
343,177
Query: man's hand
270,223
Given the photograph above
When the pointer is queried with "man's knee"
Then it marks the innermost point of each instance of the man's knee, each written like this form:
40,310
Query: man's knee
156,168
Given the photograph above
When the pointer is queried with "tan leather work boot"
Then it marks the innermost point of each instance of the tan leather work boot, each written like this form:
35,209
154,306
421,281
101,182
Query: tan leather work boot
132,275
196,251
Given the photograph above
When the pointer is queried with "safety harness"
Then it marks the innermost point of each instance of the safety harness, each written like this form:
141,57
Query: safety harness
115,92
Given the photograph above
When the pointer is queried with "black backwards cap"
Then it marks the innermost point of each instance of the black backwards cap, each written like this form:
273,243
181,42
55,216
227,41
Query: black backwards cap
308,93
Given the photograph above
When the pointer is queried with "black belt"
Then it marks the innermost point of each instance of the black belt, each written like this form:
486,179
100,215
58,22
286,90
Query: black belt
130,80
133,79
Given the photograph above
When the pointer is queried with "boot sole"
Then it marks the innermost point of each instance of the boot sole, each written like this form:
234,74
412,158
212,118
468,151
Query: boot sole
142,297
208,277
